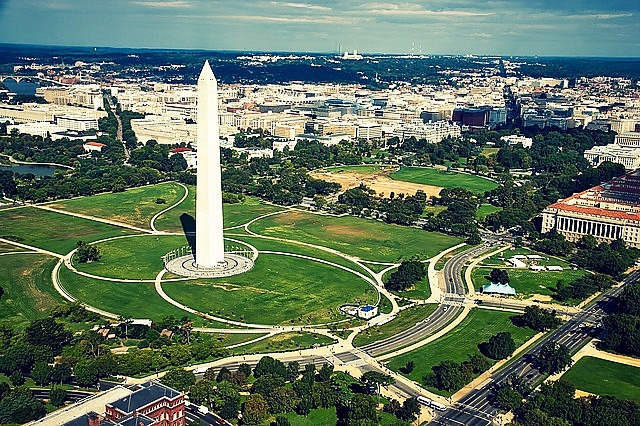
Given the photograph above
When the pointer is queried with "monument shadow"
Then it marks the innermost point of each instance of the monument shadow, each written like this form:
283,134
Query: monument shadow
189,228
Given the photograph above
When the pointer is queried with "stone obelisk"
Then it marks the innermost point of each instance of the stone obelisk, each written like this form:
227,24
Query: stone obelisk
209,237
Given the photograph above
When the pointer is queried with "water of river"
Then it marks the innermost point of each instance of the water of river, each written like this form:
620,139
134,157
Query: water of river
36,169
23,88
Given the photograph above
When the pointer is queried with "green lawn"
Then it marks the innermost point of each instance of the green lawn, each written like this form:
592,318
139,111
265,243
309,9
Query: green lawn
488,151
234,214
460,343
420,290
485,210
6,248
263,244
528,282
135,206
52,231
284,342
328,416
405,319
278,290
435,177
137,257
604,377
367,239
28,292
361,169
137,300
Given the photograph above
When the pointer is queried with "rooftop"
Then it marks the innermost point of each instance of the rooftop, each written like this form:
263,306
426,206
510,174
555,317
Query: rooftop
150,392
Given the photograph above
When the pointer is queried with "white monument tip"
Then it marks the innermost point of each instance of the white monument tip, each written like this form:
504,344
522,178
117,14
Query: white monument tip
207,72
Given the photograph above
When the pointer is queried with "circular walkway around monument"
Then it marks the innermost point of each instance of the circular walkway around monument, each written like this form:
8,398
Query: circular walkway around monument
186,266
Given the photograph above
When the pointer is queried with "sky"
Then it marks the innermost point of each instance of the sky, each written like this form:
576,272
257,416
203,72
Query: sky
494,27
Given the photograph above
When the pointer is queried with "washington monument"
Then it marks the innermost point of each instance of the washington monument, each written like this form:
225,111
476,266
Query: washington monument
209,237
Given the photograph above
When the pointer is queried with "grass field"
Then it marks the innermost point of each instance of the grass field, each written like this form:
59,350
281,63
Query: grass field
488,151
234,214
435,177
405,319
361,169
138,257
278,290
528,282
6,248
367,239
420,290
52,231
604,377
137,300
485,210
460,343
284,342
328,416
28,292
134,206
263,244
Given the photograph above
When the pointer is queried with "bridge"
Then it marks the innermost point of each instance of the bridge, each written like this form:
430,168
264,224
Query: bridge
19,78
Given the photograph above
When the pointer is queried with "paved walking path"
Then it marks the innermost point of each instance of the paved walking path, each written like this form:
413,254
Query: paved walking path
95,219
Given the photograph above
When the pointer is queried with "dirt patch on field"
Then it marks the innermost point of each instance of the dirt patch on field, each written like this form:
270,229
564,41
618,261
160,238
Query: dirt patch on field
346,230
379,182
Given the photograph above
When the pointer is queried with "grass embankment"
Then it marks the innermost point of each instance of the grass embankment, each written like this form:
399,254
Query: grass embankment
460,343
284,342
604,377
135,206
183,215
137,300
444,179
52,231
278,290
405,319
525,281
28,291
366,239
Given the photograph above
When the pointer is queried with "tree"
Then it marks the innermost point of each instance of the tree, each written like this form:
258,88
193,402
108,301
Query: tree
47,332
179,379
226,400
282,399
553,358
86,253
86,373
201,393
538,319
265,384
57,396
507,398
268,365
282,421
409,410
629,300
499,346
359,410
324,374
20,407
255,410
499,276
408,274
245,369
224,374
449,375
41,373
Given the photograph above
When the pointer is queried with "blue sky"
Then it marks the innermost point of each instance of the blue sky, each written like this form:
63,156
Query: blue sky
505,27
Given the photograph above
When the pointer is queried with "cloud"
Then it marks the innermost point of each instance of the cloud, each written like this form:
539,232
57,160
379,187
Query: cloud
293,19
413,9
600,16
176,4
301,6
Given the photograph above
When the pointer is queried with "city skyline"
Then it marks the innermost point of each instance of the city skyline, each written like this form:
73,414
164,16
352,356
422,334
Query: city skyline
541,28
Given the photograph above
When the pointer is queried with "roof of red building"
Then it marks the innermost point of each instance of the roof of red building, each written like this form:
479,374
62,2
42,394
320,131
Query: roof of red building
95,144
595,211
178,150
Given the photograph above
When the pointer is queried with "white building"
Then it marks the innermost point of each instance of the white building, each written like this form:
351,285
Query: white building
93,146
516,139
40,128
367,311
627,156
165,130
607,212
77,123
629,139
